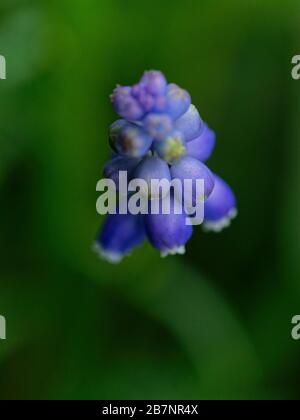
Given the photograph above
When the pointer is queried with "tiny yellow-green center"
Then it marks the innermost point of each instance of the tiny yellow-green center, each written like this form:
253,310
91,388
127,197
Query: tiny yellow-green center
174,149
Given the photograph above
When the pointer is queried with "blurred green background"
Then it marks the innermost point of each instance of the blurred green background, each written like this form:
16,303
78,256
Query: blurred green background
214,324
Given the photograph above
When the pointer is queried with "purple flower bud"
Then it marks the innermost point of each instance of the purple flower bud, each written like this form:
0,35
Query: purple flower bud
152,168
155,82
188,168
137,90
158,125
114,131
178,101
120,163
119,235
220,208
160,104
129,139
202,147
190,124
126,105
172,148
147,102
144,98
168,232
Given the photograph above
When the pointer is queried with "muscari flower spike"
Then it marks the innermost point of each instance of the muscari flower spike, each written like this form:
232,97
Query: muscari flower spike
161,135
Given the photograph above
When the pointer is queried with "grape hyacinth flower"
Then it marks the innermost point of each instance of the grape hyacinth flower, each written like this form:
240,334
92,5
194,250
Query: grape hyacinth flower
126,105
152,167
168,232
178,101
154,82
202,147
158,126
190,124
129,139
220,208
119,235
192,169
118,164
161,136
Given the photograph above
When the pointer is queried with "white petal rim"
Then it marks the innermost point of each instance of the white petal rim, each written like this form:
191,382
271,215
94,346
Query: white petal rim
109,256
180,250
219,225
